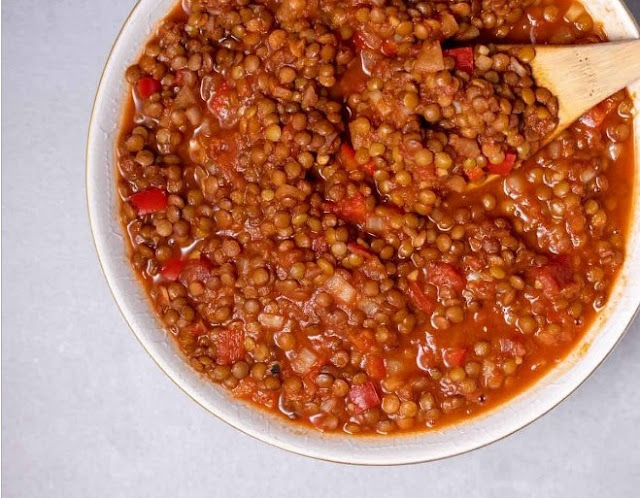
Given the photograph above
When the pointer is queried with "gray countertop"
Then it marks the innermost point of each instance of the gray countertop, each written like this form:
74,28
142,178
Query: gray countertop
86,413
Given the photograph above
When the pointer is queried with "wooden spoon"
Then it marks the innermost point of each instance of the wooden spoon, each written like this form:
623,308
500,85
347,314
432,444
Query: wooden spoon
580,76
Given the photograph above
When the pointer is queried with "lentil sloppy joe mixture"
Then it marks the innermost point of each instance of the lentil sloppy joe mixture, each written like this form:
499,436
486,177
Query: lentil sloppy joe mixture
303,186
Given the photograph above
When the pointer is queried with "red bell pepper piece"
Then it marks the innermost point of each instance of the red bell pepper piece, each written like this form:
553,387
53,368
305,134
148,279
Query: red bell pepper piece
505,167
229,346
146,87
463,57
364,396
149,201
172,269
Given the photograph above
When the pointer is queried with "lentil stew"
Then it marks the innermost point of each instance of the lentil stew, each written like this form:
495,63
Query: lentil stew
294,181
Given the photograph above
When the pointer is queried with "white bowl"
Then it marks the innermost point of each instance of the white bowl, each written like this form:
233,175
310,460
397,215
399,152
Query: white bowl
110,243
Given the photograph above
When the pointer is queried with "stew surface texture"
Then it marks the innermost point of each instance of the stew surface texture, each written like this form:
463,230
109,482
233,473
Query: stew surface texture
303,186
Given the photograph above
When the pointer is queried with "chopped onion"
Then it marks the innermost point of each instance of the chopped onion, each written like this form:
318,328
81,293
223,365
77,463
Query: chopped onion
304,361
287,190
449,24
395,367
518,68
375,224
341,289
369,307
207,88
587,175
375,96
466,147
371,40
614,151
575,11
368,59
242,265
430,58
457,183
185,98
271,320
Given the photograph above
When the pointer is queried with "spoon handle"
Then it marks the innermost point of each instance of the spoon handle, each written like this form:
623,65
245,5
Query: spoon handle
581,76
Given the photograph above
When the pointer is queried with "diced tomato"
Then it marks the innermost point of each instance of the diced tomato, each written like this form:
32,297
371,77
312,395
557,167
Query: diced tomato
319,244
369,168
423,302
358,249
544,275
245,388
505,167
364,396
196,329
225,148
229,346
463,57
444,274
426,359
375,368
353,209
358,41
146,87
172,269
562,268
555,275
365,39
363,341
475,174
268,399
219,101
149,201
195,270
348,159
511,347
248,388
593,118
596,116
453,357
389,47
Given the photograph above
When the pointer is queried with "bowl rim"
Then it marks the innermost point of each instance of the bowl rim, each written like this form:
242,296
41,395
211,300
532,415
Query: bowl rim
301,449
